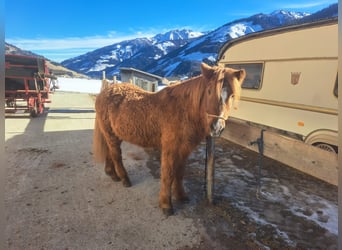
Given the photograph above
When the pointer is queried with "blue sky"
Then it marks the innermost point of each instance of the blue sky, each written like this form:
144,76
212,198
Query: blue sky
61,29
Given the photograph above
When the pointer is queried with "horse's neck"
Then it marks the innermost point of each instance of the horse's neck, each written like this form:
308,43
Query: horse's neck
190,94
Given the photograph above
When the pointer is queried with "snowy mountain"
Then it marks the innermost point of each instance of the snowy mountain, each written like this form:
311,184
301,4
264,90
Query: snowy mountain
180,52
186,61
136,53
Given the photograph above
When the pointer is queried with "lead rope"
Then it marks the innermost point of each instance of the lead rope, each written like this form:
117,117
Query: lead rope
260,143
205,168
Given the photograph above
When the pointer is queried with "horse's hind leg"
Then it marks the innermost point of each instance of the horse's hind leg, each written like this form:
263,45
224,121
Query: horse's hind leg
114,166
120,170
110,169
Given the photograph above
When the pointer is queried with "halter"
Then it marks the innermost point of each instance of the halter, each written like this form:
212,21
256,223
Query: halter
220,116
217,116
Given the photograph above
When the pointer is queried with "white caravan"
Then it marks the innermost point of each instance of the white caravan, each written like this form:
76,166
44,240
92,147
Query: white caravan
291,84
289,98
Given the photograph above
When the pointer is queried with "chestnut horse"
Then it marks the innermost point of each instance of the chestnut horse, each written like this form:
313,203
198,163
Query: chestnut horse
175,120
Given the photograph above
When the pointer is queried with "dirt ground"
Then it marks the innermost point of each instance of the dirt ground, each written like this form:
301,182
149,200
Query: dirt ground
57,198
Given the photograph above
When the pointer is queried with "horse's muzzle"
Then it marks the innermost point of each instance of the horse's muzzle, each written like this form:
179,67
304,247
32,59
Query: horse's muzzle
217,127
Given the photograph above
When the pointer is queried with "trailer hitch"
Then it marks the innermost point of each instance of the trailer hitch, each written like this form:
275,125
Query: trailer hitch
260,142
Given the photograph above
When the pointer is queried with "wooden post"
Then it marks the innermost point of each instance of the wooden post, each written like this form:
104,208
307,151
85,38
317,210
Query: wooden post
114,79
210,168
103,75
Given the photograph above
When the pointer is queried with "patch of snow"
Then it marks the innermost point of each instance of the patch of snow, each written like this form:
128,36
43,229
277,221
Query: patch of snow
212,58
164,46
79,85
256,217
312,207
100,66
309,206
238,157
322,212
243,28
194,34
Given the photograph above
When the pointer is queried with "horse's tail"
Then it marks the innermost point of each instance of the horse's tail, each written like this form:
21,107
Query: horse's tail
100,148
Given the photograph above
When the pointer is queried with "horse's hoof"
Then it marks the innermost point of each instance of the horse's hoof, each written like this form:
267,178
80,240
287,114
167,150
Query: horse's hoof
126,182
184,199
115,178
168,211
112,175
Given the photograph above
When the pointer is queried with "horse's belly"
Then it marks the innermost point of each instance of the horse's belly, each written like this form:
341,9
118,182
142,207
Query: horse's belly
139,136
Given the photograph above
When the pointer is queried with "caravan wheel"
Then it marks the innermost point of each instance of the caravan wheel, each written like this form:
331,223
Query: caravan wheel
327,147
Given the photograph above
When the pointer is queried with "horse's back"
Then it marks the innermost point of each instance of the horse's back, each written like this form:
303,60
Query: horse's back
118,92
124,108
113,97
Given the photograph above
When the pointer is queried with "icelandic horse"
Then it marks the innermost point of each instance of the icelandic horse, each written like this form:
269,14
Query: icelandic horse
175,120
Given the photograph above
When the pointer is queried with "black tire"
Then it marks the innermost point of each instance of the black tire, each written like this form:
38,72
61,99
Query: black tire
33,112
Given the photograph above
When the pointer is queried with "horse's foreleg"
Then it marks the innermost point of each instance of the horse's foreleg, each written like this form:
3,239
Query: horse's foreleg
178,191
168,180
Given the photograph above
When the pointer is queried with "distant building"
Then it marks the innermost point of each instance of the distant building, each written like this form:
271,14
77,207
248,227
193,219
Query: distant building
142,79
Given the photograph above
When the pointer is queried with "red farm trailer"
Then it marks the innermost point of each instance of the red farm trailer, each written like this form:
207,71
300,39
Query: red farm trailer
26,84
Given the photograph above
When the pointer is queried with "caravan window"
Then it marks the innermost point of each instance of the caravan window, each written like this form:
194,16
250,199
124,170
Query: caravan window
254,74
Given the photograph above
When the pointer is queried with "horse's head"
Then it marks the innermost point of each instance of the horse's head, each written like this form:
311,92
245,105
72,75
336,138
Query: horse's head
222,92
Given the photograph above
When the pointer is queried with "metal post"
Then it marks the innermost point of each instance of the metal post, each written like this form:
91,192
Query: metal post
210,168
260,143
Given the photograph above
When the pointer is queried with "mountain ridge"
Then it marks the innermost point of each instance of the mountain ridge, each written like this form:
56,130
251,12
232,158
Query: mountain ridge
210,45
136,53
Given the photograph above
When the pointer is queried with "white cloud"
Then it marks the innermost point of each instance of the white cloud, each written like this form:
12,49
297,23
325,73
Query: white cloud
59,49
73,42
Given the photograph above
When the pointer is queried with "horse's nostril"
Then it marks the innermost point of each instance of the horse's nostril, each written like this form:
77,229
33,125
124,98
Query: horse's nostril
222,130
217,127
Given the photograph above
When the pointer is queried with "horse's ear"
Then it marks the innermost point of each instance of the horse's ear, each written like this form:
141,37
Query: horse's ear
240,75
207,71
